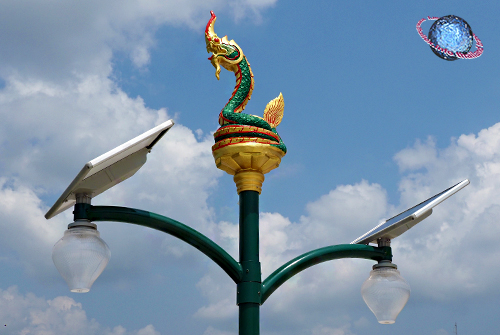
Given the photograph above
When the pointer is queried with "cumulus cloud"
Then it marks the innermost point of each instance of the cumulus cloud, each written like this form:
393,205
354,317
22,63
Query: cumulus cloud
68,88
80,38
441,257
333,218
29,314
67,85
60,107
81,121
322,330
24,229
214,331
468,219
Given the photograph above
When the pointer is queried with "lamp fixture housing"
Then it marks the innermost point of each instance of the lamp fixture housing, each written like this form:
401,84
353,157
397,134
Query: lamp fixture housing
385,292
81,255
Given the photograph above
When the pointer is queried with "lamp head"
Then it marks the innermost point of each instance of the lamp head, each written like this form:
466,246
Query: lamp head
385,292
81,255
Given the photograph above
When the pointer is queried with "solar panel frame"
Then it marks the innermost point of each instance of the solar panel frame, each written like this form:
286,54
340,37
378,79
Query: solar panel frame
400,223
110,168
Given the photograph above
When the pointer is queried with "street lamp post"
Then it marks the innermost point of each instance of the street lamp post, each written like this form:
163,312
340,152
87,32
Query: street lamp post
251,291
246,147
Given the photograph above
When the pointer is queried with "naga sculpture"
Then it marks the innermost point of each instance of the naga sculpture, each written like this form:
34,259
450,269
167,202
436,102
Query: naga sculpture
237,127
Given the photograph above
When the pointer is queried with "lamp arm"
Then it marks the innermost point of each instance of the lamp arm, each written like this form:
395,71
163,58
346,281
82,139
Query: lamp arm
308,259
166,225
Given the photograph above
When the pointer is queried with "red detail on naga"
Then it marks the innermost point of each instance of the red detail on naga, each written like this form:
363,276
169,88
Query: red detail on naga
209,23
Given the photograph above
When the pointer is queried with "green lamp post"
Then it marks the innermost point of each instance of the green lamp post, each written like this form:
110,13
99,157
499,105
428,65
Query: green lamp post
246,147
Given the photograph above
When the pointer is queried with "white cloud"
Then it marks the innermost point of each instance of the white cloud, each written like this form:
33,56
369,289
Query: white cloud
333,218
345,213
220,309
213,331
436,245
80,38
140,56
67,88
448,257
62,108
434,248
80,121
418,156
323,330
39,162
456,244
28,314
24,229
243,8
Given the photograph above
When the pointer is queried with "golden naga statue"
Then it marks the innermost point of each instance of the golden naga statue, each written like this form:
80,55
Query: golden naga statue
243,142
250,128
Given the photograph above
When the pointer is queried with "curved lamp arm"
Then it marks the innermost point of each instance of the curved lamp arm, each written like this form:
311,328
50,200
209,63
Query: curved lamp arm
166,225
302,262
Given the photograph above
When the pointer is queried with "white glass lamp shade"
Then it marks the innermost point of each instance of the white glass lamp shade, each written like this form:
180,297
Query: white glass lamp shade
80,256
385,292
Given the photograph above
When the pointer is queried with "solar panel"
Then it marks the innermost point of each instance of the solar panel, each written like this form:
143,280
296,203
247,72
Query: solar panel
111,168
400,223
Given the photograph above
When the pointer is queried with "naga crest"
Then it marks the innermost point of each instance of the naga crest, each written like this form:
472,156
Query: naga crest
239,132
224,52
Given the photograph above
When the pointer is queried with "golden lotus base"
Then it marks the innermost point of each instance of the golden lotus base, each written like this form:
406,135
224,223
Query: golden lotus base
248,162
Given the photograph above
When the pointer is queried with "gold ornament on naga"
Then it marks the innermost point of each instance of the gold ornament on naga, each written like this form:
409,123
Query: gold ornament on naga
246,146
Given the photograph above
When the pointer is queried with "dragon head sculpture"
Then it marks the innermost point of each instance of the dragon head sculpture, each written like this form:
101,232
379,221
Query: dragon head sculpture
225,53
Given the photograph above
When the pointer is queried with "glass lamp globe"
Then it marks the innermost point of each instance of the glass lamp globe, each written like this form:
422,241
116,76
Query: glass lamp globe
80,256
385,292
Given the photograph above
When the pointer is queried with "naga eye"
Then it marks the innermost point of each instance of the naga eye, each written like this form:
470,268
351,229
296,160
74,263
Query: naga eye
216,40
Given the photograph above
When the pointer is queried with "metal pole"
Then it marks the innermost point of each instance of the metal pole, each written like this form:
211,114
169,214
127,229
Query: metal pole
167,225
249,289
311,258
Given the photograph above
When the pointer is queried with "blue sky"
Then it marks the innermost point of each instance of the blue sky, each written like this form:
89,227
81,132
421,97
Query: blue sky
374,123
